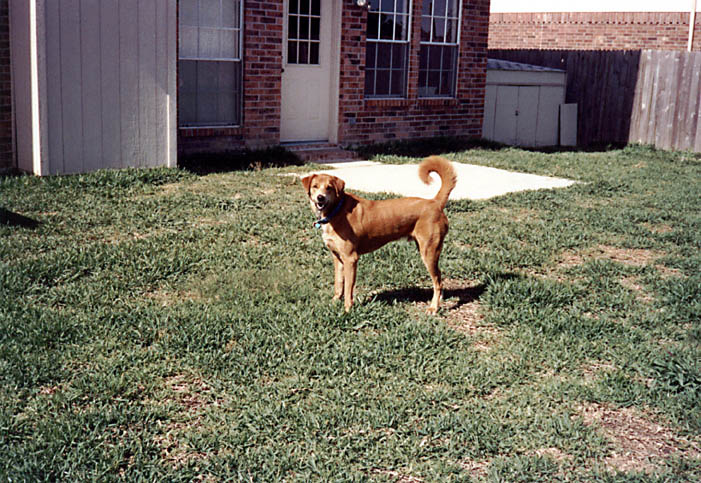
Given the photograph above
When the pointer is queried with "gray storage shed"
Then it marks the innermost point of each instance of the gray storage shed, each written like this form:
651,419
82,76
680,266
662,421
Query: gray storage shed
523,104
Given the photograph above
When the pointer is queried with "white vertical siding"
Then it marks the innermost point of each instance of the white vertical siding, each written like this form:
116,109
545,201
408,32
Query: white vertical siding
129,81
111,100
54,156
110,87
91,61
147,81
24,100
69,49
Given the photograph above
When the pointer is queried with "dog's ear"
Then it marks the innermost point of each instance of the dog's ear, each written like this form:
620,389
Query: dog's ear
307,182
339,185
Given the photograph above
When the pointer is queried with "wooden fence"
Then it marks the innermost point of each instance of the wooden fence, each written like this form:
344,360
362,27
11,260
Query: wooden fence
647,97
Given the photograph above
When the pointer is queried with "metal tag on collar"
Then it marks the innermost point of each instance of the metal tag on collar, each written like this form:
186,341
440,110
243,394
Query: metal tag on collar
326,219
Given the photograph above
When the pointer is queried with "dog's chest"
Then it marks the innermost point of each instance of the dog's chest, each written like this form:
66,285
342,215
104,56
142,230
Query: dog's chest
330,238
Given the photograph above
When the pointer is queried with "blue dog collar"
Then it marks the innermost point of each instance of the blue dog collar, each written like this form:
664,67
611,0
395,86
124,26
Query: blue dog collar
327,218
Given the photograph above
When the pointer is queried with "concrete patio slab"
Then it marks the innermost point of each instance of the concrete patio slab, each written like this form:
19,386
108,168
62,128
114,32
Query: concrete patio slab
474,182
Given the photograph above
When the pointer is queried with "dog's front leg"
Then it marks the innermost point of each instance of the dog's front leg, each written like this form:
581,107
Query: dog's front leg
350,267
337,277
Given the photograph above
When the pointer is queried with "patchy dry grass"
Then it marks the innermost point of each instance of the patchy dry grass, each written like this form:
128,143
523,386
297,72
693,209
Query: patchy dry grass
638,441
165,325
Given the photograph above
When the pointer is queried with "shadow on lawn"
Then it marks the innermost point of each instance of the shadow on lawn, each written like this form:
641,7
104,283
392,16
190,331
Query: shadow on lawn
465,291
209,163
15,219
465,295
278,156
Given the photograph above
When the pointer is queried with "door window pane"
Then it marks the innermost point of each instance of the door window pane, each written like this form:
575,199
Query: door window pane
303,32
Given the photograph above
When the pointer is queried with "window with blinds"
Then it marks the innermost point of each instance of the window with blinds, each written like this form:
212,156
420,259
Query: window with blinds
209,63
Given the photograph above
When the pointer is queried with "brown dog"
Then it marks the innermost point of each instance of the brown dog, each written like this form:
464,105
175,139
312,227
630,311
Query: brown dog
353,225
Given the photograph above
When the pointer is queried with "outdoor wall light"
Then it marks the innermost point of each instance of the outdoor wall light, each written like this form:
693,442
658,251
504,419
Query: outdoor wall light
361,3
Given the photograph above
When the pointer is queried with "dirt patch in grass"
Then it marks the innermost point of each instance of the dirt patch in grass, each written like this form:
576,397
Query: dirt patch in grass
192,396
464,312
476,469
191,393
641,295
49,390
632,257
637,257
667,272
593,370
555,454
519,215
169,298
639,443
396,476
659,228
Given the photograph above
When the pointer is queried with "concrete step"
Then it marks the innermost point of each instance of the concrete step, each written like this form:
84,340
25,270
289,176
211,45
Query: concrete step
321,153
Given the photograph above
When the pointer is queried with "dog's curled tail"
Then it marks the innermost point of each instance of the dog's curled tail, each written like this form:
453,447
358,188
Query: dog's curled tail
445,170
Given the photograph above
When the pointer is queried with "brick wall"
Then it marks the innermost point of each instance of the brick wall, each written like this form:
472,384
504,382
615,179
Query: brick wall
364,121
261,87
593,31
6,157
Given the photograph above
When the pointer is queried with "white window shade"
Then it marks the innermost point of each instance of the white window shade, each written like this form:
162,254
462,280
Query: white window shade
210,29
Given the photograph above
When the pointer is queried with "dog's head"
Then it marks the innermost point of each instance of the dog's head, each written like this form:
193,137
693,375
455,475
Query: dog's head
324,191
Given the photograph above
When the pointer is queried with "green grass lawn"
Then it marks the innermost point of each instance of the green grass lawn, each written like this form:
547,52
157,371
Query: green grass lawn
172,325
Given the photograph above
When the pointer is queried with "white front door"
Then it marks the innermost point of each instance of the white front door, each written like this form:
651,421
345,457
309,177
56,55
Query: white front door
306,76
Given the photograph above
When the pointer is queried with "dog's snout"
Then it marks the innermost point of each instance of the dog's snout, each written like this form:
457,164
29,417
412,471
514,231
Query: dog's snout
320,198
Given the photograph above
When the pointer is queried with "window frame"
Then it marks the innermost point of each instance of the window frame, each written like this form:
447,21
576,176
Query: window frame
441,43
238,58
379,40
309,39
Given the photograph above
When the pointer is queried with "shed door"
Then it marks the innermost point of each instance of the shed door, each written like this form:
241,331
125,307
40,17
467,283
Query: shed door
523,115
516,115
306,77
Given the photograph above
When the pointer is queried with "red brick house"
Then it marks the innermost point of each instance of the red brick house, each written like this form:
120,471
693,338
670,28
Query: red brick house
338,72
220,75
595,25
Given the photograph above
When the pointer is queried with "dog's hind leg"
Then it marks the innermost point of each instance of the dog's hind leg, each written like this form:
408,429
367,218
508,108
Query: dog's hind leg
430,250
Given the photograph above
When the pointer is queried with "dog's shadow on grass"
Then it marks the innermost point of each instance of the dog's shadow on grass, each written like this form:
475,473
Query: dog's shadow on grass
464,295
464,291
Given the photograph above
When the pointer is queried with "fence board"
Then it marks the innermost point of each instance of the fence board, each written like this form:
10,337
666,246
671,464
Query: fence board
648,97
694,117
655,66
642,100
683,109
